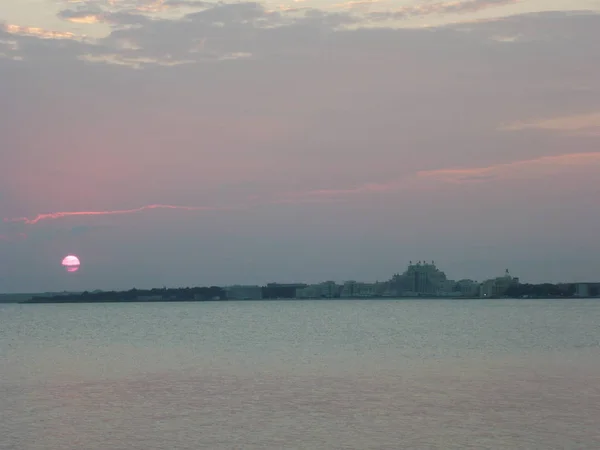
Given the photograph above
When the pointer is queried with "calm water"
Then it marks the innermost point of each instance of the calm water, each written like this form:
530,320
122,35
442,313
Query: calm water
301,375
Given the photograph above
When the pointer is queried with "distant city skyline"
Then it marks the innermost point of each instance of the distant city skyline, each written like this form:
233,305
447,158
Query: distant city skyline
420,279
245,282
185,143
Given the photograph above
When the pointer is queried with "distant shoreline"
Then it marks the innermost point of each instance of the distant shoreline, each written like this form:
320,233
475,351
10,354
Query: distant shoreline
42,301
325,291
420,281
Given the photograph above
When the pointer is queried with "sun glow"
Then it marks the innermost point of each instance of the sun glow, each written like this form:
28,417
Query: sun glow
71,263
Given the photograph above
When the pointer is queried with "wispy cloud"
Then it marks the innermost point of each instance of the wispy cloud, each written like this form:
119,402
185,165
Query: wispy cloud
64,214
575,124
357,4
546,165
426,179
141,5
543,166
133,62
83,18
441,8
37,32
470,6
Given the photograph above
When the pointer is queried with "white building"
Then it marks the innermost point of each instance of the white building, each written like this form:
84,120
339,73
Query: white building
497,287
353,289
468,288
582,290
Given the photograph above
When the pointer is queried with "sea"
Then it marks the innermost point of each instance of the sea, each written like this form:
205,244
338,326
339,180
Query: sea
340,374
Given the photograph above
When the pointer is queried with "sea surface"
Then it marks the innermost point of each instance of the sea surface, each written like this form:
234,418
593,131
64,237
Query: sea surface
418,374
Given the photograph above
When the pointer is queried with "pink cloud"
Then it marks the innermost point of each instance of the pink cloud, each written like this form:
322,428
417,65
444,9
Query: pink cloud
543,166
63,214
574,125
427,179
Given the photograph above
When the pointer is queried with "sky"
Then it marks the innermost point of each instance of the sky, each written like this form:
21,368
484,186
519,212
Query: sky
186,143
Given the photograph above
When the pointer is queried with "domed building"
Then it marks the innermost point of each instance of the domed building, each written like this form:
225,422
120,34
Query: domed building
420,279
497,287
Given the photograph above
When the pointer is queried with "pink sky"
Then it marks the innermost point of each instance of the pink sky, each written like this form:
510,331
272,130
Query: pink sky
299,144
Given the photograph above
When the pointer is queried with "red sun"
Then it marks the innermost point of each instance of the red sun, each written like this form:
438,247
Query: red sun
71,263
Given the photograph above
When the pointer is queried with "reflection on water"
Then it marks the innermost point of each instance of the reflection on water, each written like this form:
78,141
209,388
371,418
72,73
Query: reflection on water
335,375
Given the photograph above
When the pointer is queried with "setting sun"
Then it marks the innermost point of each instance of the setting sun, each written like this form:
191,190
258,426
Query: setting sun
71,263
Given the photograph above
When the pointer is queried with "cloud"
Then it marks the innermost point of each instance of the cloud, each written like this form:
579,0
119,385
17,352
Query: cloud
413,98
545,166
583,124
37,32
140,37
9,49
136,62
403,94
218,32
357,4
64,214
321,119
126,13
138,5
441,8
117,18
82,16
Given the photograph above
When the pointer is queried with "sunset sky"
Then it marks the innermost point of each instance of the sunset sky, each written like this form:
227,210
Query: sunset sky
185,143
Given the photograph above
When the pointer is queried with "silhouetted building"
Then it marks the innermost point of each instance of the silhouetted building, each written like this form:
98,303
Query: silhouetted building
498,287
420,279
327,289
277,290
587,289
467,288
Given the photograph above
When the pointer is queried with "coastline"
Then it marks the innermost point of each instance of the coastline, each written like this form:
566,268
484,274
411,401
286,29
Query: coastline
41,301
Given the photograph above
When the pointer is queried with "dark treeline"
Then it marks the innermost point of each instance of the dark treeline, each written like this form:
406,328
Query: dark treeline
138,295
213,293
270,291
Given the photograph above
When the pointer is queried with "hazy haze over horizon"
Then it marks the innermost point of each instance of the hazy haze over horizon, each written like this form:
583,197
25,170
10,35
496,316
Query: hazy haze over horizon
183,142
